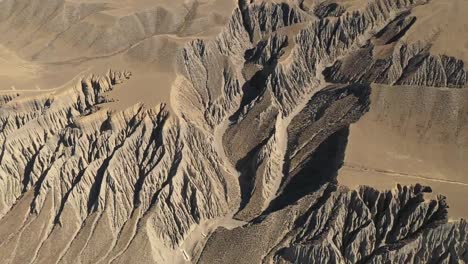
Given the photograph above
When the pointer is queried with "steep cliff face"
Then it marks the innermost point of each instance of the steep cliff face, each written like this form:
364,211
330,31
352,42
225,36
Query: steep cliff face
251,140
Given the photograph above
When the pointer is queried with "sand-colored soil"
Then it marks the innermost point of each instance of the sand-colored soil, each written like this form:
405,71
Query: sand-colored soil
443,24
410,135
30,64
233,131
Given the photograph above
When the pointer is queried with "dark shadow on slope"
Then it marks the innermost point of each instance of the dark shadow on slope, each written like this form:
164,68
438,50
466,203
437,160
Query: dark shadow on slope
244,9
149,157
27,177
320,168
106,125
255,87
396,29
247,167
101,174
325,9
308,167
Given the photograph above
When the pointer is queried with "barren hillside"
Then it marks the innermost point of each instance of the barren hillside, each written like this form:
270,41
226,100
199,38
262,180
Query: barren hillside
222,131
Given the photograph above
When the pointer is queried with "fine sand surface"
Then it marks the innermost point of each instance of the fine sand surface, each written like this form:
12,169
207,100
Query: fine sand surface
443,23
412,134
31,65
233,131
417,134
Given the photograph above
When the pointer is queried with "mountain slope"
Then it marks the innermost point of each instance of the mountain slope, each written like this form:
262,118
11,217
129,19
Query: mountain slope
240,164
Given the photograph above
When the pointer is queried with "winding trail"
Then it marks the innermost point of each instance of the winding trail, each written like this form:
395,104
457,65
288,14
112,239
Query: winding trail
76,77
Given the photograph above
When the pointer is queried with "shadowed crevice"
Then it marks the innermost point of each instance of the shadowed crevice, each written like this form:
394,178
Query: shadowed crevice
321,167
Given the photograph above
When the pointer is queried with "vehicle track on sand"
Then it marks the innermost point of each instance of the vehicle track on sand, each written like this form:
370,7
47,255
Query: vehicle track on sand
358,167
72,81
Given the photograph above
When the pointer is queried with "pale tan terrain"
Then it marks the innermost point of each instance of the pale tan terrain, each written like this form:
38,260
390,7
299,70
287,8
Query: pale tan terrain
444,25
418,131
412,134
114,34
225,131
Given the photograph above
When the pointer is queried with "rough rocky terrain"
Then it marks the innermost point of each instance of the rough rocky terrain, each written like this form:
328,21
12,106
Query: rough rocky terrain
217,132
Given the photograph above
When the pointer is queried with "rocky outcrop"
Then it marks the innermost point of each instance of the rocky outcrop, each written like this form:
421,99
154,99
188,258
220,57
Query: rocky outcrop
325,9
339,225
99,168
407,65
384,60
